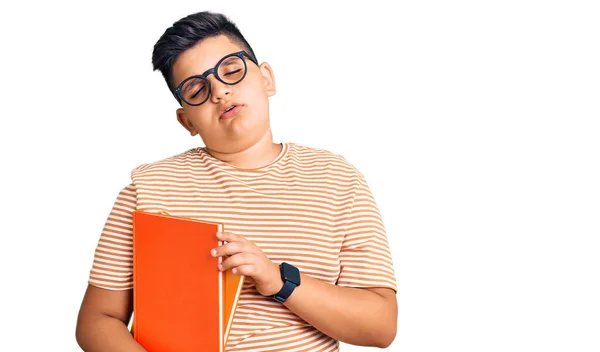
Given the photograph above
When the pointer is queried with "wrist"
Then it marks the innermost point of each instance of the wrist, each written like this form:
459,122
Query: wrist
275,284
290,279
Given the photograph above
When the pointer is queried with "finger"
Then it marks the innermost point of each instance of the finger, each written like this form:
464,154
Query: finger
247,270
230,248
238,260
229,237
241,245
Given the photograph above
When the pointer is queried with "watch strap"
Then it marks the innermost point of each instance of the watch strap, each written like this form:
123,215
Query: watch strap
285,292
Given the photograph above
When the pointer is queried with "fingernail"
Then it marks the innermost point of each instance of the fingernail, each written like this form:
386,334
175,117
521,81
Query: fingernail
234,271
213,252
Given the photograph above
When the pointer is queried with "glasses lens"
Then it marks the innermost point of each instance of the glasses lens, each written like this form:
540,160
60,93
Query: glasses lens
232,70
194,91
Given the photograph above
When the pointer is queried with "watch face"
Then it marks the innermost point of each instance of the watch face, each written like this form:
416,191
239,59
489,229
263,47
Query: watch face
290,273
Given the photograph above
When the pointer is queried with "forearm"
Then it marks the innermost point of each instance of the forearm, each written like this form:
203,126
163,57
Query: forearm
106,334
365,317
351,315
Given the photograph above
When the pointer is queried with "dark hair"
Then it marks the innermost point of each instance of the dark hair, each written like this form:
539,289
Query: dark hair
186,33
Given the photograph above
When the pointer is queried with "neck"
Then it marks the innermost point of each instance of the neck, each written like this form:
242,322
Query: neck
257,155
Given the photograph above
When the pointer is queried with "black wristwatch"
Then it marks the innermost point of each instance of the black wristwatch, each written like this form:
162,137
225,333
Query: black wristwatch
290,275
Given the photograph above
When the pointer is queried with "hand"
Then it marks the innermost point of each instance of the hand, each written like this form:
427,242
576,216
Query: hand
245,258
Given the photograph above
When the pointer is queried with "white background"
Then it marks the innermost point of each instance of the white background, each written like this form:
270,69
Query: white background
476,124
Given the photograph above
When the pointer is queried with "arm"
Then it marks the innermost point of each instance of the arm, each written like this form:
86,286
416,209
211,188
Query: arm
365,317
357,316
108,301
103,319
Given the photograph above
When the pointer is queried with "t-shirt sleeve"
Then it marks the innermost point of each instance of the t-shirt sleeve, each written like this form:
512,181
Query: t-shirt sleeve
112,268
365,255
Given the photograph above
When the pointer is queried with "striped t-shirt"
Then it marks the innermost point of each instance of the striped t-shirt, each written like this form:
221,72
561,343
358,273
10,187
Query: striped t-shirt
308,207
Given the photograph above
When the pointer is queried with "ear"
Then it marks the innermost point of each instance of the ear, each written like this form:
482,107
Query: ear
185,122
268,78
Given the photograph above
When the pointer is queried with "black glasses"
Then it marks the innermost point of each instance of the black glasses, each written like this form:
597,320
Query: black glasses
231,69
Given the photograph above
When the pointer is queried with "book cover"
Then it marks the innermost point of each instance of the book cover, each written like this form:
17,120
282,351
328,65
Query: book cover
178,290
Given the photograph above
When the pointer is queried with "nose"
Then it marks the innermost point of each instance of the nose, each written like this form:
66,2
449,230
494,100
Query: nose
219,90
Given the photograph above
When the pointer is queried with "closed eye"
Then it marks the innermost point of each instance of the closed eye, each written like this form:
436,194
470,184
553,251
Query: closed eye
233,72
198,92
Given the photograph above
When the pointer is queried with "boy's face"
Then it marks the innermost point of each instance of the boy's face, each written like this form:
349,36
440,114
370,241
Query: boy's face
225,134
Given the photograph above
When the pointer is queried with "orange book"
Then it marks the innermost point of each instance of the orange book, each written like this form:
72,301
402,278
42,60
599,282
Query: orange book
181,301
232,289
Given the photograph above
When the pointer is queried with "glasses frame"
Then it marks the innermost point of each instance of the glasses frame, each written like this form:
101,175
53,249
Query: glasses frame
215,70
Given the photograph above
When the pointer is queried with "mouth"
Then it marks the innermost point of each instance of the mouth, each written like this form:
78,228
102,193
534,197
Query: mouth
230,111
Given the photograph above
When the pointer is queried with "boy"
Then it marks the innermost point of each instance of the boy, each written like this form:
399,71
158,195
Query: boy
290,209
